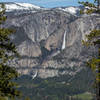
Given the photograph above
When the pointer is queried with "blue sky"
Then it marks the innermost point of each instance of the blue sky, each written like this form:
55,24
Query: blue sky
49,3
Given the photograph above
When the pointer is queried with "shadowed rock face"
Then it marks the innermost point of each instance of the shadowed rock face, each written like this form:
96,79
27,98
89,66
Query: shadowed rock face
39,39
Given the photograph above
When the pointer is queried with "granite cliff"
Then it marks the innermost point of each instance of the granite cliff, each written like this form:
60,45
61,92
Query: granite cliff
49,40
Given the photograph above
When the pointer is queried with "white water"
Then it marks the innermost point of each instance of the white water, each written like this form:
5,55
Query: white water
33,76
64,41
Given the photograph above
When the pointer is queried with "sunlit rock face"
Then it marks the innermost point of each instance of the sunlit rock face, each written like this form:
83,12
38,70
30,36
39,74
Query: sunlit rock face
49,41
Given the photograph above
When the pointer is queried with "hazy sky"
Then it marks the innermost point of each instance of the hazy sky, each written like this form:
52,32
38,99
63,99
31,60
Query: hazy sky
49,3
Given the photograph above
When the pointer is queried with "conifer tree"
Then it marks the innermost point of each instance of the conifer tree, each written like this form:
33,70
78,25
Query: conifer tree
92,7
7,53
93,38
98,4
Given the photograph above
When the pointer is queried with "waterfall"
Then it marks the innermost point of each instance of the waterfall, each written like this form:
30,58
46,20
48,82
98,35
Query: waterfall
64,41
33,76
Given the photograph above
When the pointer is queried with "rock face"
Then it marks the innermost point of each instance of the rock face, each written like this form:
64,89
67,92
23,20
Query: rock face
49,41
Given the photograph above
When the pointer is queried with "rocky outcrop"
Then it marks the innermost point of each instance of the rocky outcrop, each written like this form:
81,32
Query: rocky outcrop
49,41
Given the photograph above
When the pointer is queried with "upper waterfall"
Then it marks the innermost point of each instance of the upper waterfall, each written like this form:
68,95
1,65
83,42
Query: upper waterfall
64,41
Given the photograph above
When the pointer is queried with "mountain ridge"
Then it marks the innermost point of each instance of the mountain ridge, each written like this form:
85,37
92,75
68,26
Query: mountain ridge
11,6
39,39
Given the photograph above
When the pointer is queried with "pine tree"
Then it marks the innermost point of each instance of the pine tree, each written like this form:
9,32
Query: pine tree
98,4
94,39
7,53
92,7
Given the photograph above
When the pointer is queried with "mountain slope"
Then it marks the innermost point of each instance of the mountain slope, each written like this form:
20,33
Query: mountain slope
49,41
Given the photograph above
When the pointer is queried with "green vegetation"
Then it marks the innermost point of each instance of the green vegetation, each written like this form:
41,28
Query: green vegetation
7,53
56,88
93,39
84,96
92,7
